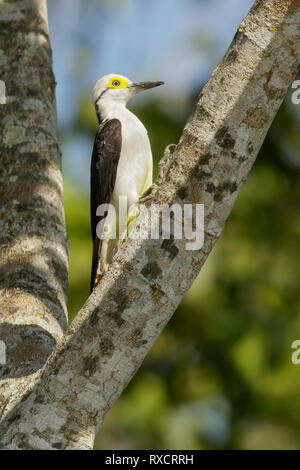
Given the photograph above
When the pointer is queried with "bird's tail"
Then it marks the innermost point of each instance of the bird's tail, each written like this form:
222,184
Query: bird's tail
95,261
103,252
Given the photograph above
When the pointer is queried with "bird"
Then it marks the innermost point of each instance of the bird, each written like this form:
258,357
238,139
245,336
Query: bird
121,166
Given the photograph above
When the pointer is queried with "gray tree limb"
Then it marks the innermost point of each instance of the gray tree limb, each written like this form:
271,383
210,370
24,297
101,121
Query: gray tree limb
111,335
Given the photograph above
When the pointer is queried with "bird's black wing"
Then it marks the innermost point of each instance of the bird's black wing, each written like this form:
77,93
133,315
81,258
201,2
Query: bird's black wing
104,163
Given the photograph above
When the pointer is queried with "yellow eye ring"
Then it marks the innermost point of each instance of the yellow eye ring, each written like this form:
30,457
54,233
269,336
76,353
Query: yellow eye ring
116,82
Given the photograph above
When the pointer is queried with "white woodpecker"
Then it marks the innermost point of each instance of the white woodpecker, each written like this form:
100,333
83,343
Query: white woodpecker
121,165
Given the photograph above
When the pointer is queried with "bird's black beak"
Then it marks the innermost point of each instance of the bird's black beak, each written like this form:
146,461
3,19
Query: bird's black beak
145,85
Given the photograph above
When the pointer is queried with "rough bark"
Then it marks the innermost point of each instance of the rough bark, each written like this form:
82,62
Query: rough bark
117,326
33,244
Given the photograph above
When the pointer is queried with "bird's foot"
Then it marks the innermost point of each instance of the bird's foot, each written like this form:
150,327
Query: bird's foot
147,196
164,163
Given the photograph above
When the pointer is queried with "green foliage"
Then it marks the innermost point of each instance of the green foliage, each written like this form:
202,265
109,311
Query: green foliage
78,229
220,376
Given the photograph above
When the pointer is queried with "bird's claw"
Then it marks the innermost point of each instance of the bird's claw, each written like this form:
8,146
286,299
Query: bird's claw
164,163
147,196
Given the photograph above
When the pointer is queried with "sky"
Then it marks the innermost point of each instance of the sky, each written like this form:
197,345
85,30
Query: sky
177,41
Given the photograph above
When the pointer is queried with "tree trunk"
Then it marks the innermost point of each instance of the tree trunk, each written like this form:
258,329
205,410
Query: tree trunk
107,342
33,243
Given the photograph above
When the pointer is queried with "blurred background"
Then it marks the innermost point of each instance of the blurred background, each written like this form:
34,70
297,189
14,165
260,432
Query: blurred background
220,376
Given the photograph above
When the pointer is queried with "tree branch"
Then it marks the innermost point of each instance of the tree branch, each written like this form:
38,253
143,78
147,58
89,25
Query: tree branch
33,243
117,326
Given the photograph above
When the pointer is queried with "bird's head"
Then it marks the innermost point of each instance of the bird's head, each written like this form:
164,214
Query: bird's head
117,88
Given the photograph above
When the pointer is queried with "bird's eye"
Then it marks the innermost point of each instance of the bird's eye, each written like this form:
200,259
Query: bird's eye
116,82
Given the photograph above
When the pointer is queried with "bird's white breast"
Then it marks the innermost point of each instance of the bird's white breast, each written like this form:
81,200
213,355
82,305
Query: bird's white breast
135,163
